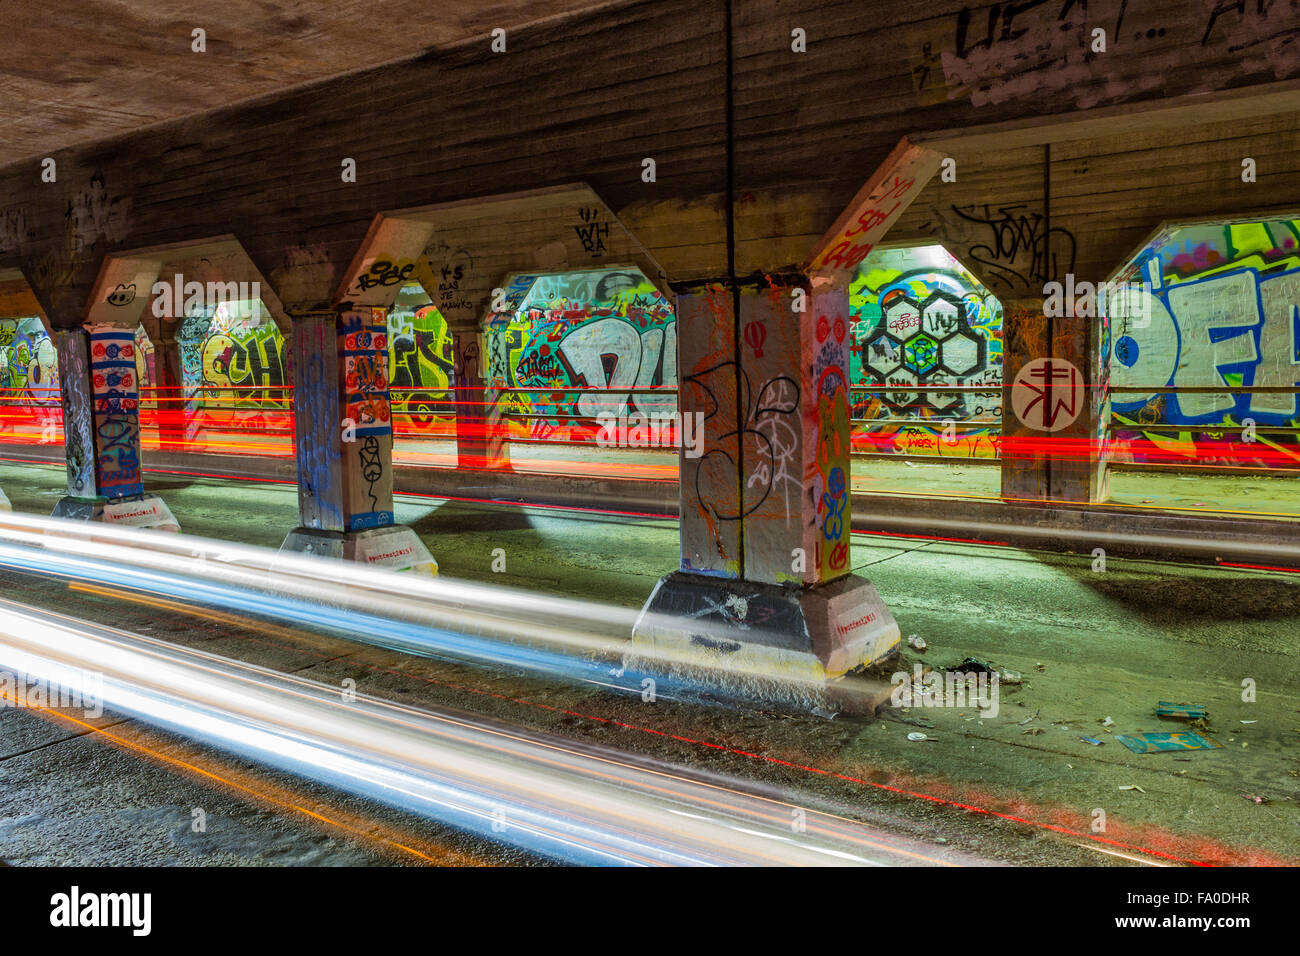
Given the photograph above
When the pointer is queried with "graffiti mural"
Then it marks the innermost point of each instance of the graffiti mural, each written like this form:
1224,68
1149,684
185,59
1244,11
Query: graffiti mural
918,318
234,366
1222,308
560,333
420,363
29,367
29,382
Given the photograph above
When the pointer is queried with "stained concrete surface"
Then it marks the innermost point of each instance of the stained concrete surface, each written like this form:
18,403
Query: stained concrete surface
1090,645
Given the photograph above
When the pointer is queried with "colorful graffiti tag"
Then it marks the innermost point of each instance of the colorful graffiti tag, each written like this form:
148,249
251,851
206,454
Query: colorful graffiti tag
1222,309
831,357
560,333
364,349
919,318
115,392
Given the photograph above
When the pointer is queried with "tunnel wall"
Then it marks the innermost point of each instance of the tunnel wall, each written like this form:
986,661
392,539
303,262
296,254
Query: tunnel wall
924,323
1224,308
608,328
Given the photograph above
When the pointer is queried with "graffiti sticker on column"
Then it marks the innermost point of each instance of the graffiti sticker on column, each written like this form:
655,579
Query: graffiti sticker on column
1047,394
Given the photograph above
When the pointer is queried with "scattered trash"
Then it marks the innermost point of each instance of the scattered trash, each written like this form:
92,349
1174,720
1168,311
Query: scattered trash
1250,721
1106,721
1040,667
1159,743
916,642
1035,731
972,666
1022,723
1132,786
1009,677
1092,740
1181,711
1254,799
916,735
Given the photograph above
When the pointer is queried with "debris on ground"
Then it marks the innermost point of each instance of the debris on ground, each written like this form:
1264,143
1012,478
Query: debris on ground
1106,721
1159,743
1181,711
1034,716
1092,740
1132,786
1254,799
916,735
973,665
916,642
1040,667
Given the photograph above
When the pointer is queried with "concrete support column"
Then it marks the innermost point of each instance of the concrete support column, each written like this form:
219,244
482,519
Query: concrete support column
101,431
1056,406
765,602
481,438
343,436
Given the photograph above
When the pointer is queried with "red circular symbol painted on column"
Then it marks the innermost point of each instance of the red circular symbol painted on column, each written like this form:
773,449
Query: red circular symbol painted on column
1047,394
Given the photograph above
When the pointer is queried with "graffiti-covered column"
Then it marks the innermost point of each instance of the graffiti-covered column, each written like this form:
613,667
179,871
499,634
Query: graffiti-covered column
1056,404
765,603
101,431
481,439
343,436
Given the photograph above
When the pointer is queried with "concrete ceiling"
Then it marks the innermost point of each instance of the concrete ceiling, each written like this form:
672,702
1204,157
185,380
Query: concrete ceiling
76,72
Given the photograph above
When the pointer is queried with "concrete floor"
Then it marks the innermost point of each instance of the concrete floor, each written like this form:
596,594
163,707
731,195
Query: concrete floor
1090,645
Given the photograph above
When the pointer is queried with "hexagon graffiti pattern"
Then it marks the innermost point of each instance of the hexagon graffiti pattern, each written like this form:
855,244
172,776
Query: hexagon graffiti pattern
923,343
